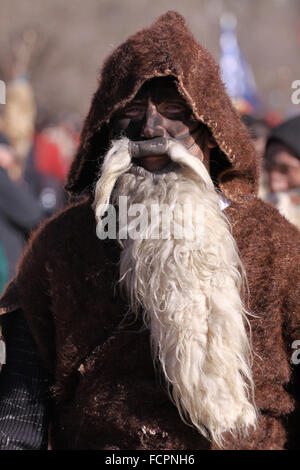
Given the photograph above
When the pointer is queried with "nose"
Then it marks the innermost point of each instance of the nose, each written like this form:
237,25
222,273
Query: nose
278,182
153,125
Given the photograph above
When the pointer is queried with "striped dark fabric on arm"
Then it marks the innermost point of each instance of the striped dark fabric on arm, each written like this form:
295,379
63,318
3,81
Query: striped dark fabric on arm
24,410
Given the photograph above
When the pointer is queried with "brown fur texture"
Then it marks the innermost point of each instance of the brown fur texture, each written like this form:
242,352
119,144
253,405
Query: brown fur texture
167,48
105,390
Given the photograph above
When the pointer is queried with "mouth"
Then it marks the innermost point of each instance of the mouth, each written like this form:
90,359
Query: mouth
150,154
153,162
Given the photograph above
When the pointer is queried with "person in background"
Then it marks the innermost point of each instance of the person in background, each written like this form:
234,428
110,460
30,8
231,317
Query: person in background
282,163
19,116
259,130
49,160
20,211
4,159
3,259
40,158
3,268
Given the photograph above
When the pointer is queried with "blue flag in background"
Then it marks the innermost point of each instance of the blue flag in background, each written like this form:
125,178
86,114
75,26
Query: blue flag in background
236,73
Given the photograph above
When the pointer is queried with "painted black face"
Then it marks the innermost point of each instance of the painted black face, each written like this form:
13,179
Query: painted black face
158,110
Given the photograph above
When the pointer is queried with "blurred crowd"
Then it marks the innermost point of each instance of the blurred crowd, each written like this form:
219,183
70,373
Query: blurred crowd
35,155
36,152
278,148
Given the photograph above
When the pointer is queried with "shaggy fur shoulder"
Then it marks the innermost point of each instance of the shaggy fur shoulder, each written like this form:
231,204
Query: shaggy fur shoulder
63,272
270,249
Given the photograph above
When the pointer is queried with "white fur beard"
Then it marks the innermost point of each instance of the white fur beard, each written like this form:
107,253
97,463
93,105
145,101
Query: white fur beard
189,292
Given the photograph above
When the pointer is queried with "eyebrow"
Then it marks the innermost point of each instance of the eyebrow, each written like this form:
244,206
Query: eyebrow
136,100
163,98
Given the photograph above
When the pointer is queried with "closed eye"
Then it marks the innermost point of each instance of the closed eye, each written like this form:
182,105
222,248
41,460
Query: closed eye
134,110
172,108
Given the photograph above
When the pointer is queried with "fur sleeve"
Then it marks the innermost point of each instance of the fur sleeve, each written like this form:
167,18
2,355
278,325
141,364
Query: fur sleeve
291,306
291,332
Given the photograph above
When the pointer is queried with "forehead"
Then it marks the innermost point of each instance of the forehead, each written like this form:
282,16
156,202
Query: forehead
159,89
277,149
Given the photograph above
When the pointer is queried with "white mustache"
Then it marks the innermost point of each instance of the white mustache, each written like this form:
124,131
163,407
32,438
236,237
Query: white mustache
118,161
173,149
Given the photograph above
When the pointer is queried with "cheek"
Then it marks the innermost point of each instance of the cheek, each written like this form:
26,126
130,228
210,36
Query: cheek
127,127
119,126
175,128
294,177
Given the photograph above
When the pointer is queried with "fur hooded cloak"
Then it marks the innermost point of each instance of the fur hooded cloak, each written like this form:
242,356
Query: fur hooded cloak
167,48
105,391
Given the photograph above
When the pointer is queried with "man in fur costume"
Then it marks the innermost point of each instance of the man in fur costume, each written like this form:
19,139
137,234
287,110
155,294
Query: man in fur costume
154,337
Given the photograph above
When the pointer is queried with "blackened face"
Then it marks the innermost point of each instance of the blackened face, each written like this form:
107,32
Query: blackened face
158,110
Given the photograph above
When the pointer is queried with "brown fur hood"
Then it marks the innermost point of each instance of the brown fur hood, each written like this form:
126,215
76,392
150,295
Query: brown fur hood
167,48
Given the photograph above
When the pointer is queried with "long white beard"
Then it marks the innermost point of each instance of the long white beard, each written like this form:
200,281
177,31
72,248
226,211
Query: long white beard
189,291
